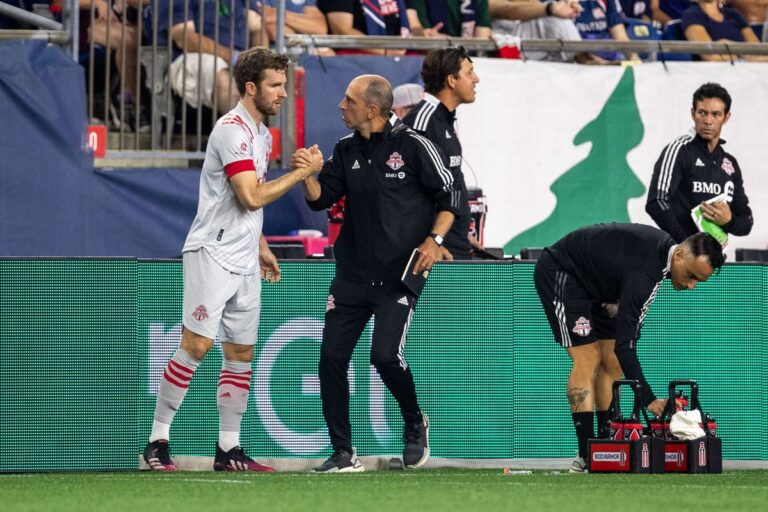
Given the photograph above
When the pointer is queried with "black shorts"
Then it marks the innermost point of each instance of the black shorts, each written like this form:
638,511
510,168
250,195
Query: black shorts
575,318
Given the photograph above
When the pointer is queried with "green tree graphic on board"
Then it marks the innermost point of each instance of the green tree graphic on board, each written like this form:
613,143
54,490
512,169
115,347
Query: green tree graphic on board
598,188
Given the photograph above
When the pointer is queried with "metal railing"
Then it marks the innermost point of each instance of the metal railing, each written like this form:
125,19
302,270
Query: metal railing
166,140
303,41
49,29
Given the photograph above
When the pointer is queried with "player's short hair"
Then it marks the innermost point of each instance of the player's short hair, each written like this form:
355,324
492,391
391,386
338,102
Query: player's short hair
253,63
379,93
704,244
712,90
439,65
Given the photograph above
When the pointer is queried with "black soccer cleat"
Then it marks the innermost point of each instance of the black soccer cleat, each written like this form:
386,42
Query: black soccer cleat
342,461
236,460
158,457
416,443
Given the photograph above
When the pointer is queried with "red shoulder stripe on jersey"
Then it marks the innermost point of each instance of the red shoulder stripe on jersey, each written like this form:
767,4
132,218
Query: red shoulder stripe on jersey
235,119
236,167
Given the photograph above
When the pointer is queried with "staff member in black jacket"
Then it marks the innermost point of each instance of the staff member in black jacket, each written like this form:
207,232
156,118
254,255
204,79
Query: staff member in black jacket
695,168
580,280
394,181
449,81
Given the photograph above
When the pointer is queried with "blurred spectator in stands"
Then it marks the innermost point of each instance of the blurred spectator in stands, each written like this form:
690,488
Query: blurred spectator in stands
666,10
205,57
706,21
255,23
637,9
379,18
301,17
603,19
405,97
114,25
454,18
531,19
765,28
754,11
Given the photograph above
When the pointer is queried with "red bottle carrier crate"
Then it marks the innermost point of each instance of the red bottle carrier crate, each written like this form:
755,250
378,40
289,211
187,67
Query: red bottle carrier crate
702,455
628,450
652,449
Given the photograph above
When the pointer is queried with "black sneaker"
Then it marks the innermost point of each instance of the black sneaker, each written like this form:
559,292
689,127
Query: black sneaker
341,461
236,460
416,443
158,457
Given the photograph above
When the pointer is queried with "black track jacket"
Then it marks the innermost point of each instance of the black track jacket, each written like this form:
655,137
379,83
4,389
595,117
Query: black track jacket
433,120
686,175
394,183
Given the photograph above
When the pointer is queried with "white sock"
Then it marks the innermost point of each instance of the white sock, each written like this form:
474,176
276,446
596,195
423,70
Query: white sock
232,400
228,440
160,432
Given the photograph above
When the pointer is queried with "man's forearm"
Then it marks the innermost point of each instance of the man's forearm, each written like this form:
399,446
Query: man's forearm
443,223
312,188
197,43
517,9
312,22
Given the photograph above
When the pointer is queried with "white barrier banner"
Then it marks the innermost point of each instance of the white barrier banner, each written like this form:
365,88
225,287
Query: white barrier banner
557,146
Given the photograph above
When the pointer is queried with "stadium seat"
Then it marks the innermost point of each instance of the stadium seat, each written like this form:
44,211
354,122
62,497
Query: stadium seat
760,255
288,251
673,31
641,30
530,253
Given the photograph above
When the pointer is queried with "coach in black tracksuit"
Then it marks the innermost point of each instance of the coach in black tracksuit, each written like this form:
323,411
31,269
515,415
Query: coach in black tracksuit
580,280
395,181
449,81
695,168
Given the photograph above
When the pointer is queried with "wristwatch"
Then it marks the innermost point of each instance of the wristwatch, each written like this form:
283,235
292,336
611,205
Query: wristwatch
437,238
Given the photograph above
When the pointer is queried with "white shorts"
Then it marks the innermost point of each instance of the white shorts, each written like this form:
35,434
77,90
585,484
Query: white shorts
215,297
205,62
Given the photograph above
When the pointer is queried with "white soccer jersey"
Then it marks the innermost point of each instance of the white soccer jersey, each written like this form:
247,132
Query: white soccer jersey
227,230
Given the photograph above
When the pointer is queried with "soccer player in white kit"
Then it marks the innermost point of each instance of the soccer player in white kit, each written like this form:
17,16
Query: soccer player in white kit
225,256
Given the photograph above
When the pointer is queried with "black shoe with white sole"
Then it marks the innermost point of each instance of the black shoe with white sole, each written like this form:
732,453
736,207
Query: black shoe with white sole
342,461
416,443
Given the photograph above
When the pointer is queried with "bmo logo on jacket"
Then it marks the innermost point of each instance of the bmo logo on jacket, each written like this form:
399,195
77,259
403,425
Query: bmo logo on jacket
703,187
399,175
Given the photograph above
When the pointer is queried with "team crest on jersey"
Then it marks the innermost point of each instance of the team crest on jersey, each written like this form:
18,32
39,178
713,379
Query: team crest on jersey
243,146
330,304
727,167
395,161
200,313
388,7
582,327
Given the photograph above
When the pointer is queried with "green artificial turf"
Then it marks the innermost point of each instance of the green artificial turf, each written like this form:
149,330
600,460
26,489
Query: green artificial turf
439,490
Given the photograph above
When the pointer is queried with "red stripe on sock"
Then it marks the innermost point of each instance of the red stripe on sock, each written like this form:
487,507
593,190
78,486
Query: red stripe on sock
179,376
173,381
237,384
181,368
227,372
236,376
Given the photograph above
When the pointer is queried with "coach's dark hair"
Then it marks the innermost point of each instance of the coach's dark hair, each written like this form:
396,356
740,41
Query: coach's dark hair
379,93
704,244
439,65
252,64
712,90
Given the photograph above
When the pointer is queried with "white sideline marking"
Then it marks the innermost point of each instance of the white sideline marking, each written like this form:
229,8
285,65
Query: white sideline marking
215,481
